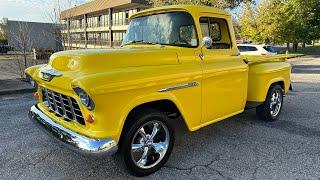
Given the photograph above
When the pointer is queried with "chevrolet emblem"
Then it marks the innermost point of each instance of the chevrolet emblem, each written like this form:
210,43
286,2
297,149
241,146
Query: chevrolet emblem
47,74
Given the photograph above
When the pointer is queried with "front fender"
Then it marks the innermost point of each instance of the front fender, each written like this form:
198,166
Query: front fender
113,110
116,93
151,98
33,71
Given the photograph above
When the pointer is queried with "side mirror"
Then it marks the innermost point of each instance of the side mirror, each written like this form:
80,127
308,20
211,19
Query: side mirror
207,42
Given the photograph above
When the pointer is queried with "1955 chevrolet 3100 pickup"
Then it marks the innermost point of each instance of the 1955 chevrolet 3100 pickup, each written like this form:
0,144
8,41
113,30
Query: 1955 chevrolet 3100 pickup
175,61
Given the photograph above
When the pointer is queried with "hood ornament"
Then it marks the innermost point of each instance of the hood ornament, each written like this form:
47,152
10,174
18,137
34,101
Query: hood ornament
47,74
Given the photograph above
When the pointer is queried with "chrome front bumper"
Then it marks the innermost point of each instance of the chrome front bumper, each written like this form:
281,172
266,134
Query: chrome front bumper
75,141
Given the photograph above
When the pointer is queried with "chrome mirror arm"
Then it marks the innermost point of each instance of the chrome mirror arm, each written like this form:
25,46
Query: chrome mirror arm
206,43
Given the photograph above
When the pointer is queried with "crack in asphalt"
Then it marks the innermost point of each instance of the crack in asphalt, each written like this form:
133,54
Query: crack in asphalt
43,158
34,164
207,166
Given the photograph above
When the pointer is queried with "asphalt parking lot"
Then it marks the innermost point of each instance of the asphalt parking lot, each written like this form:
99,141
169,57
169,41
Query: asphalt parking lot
241,147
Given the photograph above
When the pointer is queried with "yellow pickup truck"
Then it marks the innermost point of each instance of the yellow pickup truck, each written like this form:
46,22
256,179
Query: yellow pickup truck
175,61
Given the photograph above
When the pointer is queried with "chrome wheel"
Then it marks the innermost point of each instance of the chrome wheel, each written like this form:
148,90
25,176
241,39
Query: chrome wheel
150,144
276,103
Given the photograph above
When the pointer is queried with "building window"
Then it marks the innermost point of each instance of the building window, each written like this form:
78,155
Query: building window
99,21
113,19
93,22
104,22
118,37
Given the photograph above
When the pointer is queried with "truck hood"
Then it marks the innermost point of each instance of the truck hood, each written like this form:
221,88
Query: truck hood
71,66
94,61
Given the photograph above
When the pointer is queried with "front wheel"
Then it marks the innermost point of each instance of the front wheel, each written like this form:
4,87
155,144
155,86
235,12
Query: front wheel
270,110
148,143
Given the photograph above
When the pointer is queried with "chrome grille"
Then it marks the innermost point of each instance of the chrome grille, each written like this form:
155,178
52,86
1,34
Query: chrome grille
62,106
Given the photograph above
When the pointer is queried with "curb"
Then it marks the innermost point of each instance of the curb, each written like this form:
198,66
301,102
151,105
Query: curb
296,56
16,91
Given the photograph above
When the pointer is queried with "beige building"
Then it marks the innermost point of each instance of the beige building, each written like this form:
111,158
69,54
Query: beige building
98,23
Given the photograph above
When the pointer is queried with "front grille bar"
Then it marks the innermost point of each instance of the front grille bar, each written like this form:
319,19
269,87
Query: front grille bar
71,107
62,106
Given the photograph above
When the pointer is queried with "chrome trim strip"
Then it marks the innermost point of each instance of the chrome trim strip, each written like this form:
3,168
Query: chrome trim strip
172,88
75,141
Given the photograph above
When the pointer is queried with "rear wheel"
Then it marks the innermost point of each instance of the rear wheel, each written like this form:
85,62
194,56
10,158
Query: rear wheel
148,143
270,110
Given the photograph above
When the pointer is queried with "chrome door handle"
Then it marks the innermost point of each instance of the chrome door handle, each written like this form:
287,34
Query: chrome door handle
201,55
246,61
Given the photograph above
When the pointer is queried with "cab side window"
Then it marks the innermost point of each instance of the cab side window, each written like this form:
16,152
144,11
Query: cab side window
217,29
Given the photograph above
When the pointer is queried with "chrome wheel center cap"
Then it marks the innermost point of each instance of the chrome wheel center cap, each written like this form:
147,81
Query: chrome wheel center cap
149,143
149,140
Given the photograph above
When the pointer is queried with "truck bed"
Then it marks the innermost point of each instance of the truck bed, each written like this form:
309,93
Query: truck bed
263,72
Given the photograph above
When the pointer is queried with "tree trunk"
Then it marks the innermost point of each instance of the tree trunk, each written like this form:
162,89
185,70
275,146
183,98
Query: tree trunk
303,45
25,61
288,46
25,57
295,47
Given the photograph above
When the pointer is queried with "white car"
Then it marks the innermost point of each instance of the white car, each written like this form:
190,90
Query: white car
251,49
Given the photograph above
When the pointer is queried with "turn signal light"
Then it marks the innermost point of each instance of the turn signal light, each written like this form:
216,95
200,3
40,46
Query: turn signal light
90,119
36,96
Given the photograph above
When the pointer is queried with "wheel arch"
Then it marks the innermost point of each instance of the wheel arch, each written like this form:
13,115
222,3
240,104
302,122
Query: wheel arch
165,105
279,81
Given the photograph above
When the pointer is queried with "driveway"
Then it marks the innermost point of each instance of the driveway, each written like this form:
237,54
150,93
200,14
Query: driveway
241,147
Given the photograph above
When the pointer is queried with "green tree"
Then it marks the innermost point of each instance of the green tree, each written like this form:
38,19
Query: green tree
2,33
236,27
281,21
214,3
312,21
248,23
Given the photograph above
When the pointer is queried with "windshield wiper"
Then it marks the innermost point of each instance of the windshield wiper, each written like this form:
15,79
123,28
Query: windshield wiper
141,42
133,42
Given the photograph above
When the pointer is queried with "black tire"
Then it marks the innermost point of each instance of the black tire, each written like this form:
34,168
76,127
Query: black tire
269,113
146,118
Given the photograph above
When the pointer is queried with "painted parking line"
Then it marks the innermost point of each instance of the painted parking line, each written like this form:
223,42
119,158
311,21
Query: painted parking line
307,69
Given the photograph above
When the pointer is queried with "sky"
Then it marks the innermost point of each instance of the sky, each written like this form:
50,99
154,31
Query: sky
39,10
33,10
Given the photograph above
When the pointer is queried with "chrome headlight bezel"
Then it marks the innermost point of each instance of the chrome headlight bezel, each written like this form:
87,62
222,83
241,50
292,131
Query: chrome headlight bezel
32,82
84,98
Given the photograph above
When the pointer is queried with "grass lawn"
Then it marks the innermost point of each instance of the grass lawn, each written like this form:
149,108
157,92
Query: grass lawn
294,55
310,50
12,57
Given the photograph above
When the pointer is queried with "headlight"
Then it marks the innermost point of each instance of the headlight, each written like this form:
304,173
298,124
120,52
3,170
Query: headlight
84,98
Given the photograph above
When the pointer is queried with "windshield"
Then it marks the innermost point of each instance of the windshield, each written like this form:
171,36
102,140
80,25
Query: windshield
175,29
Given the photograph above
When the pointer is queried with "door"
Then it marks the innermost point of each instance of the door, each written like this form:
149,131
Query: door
225,75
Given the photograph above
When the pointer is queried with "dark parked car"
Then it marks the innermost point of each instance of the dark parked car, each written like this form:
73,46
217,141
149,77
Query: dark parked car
5,49
44,53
